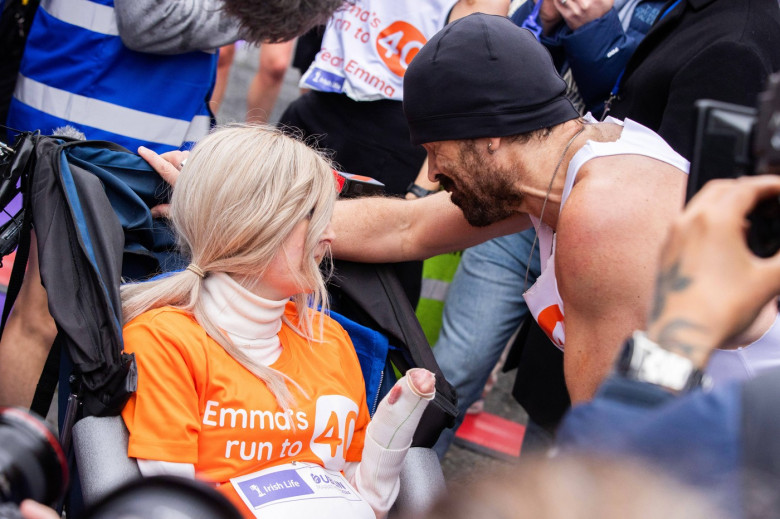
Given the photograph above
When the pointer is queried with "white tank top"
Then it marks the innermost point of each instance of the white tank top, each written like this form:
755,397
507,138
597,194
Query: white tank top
543,299
368,45
746,362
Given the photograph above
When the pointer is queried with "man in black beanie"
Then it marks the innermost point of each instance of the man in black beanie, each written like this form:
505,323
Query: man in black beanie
484,99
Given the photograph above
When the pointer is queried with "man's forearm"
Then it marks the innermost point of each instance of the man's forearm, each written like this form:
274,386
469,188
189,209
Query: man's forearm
173,27
383,230
675,331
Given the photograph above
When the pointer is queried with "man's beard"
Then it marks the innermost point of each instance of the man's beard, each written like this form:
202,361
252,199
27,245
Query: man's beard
491,195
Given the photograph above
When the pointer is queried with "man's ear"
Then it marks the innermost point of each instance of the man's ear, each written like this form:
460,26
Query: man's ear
493,144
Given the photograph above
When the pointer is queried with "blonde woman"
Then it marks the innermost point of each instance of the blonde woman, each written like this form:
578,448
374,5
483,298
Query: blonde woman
240,381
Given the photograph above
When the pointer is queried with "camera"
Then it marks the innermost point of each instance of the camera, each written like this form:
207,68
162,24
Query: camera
732,141
33,466
164,497
32,463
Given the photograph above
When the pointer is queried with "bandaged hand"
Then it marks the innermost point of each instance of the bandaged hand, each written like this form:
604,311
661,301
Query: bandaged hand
398,414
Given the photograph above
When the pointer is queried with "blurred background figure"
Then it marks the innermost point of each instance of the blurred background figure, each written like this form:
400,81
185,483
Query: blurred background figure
264,89
574,487
227,54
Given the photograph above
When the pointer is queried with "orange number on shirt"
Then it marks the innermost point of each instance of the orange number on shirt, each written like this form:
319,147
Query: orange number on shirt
551,321
398,44
349,428
330,436
335,420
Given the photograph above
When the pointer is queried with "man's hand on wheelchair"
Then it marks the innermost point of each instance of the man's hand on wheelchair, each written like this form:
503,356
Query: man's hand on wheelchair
168,166
710,286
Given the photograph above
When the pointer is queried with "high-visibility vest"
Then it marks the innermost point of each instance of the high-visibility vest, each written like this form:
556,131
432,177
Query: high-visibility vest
76,71
438,272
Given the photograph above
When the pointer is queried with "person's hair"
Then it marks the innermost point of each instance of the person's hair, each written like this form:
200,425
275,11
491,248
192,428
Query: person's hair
573,487
241,193
274,21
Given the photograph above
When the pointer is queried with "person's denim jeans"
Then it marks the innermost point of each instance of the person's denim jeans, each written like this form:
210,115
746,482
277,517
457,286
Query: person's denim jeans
484,307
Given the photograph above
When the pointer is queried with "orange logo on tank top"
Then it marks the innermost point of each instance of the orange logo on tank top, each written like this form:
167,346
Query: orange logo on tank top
551,321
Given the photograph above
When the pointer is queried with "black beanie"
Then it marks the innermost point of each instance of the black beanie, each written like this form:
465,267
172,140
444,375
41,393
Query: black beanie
482,76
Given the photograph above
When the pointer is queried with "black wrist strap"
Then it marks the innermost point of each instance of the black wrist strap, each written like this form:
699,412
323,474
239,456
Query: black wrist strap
419,191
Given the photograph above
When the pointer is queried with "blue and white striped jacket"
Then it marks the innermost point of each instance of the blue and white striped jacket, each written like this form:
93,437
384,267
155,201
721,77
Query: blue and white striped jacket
77,71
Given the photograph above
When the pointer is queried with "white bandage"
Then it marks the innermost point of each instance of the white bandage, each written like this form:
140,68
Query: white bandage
393,425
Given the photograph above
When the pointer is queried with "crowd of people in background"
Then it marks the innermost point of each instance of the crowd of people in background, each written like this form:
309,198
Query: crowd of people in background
550,141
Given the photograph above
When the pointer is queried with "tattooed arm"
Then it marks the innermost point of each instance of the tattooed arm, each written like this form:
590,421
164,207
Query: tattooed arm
710,286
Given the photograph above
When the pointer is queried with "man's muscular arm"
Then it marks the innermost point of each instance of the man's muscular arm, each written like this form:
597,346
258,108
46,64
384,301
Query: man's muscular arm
609,238
383,230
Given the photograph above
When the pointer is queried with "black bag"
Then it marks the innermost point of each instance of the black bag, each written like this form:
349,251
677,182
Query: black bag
89,203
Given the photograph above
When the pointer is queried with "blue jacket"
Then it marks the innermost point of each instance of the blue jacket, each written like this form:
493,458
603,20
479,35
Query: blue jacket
77,71
697,437
598,51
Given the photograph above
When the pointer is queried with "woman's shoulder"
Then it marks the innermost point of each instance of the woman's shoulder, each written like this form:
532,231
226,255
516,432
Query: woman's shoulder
329,324
161,313
162,326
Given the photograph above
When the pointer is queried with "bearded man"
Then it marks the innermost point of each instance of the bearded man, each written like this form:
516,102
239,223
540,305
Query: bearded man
484,99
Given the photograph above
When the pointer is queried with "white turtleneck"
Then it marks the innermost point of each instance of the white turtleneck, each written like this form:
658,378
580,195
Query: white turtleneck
250,321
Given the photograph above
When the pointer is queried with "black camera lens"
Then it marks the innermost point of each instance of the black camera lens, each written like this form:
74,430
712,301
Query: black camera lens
164,497
32,464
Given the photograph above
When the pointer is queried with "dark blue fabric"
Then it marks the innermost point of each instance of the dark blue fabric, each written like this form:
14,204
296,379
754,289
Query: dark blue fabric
132,187
371,347
598,51
696,437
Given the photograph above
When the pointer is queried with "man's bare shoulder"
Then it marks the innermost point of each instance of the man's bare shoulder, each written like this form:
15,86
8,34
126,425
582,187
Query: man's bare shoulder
619,209
622,189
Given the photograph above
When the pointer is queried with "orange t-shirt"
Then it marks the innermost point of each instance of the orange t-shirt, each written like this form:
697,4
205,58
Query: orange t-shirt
196,404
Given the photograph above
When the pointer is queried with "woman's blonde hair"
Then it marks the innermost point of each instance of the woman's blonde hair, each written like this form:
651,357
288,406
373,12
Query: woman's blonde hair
243,190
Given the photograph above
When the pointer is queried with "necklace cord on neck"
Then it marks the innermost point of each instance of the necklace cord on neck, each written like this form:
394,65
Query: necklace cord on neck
544,204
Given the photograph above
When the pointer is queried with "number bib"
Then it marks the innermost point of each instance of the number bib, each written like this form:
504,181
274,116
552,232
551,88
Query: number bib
300,490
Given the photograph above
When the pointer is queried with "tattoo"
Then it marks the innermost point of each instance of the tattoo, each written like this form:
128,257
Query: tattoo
669,280
668,340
